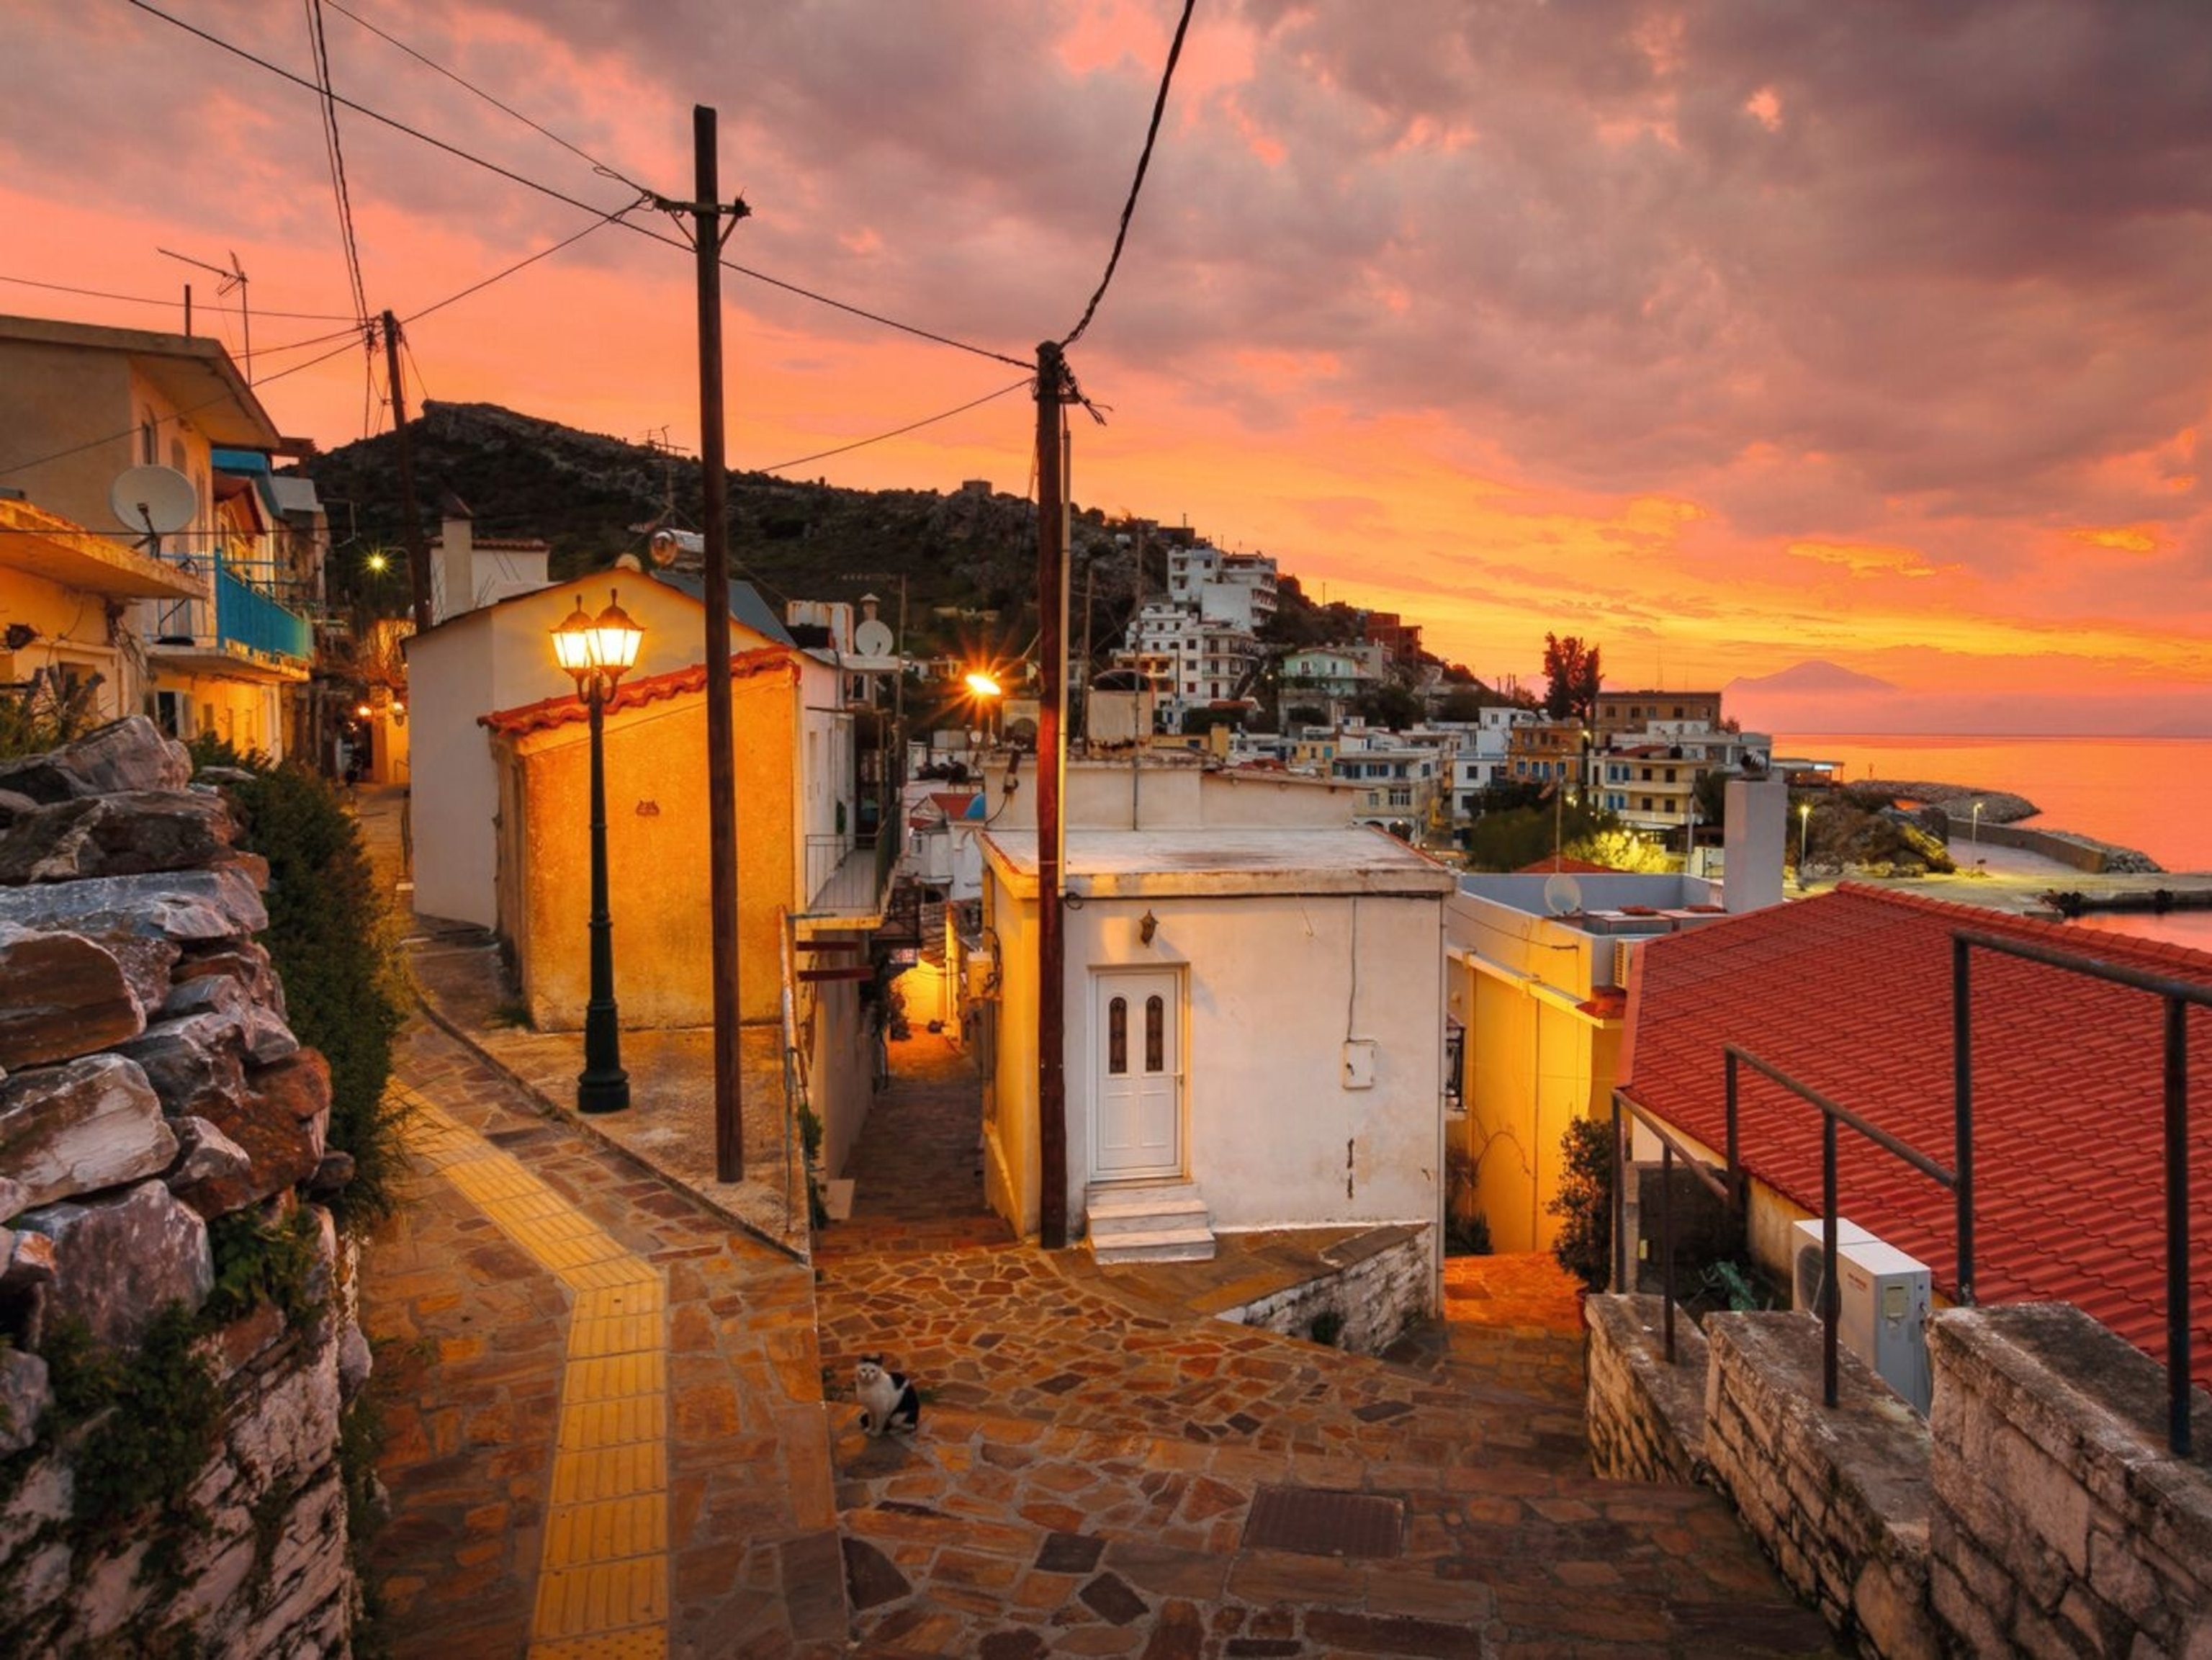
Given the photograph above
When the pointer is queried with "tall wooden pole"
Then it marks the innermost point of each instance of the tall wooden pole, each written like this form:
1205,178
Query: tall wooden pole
1052,648
410,518
722,760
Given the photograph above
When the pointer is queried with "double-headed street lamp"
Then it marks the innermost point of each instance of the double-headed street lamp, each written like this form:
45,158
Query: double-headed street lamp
597,652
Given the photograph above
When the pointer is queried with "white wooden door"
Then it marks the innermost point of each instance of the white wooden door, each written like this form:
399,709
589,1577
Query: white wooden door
1136,1129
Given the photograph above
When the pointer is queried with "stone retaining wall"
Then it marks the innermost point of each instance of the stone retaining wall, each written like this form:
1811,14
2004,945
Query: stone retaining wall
2063,1523
1385,1277
2038,1512
150,1086
1646,1418
2087,857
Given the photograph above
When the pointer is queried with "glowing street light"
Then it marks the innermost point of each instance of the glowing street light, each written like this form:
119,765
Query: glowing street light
1804,824
597,652
1977,827
983,686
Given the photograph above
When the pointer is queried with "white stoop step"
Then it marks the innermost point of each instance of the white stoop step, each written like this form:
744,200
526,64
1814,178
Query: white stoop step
1166,1222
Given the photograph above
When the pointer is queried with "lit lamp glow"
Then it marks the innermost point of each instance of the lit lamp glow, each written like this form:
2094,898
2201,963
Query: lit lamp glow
595,651
1804,823
983,686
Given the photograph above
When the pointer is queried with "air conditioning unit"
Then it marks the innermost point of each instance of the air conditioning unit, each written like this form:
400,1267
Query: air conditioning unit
1625,952
1883,1316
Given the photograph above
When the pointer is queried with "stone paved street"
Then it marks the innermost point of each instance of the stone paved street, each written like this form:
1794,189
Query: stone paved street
1101,1467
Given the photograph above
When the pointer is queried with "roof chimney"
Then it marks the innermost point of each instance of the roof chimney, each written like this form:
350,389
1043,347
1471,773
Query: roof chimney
1755,844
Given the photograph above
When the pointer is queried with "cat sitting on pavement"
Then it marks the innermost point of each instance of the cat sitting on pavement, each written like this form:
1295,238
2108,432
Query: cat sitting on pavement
887,1401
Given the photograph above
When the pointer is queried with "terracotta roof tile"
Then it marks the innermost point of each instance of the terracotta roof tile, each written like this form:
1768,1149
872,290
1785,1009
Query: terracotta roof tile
550,712
1849,993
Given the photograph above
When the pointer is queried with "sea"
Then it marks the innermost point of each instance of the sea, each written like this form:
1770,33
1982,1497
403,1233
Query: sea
2153,795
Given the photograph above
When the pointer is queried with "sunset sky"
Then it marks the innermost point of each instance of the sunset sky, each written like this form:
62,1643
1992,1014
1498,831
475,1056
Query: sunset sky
1734,337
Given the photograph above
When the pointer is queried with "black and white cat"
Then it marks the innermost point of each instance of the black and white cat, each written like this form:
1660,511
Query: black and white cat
888,1401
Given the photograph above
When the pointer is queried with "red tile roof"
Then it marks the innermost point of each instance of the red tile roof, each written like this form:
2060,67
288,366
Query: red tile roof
550,712
1849,994
1572,867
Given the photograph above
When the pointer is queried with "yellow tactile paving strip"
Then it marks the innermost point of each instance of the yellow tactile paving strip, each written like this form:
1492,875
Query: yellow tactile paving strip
602,1577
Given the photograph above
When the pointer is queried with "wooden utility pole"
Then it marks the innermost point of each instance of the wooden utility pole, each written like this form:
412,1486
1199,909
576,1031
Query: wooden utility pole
1052,648
708,235
410,518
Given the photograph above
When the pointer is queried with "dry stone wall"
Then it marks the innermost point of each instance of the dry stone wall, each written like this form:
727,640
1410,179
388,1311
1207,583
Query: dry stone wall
150,1087
1646,1415
1384,1279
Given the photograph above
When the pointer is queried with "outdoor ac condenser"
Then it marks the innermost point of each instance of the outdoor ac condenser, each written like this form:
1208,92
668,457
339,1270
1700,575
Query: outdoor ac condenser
1883,1317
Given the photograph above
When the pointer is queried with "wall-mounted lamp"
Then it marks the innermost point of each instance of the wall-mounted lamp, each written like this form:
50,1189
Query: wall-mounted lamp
1147,926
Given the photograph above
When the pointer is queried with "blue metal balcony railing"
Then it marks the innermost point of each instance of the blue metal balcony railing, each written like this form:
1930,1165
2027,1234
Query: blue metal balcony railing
243,620
245,617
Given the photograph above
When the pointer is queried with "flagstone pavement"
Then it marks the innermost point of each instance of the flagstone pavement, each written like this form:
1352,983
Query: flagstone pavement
619,1424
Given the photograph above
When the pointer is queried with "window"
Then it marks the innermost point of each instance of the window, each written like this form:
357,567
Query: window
1117,1037
1156,1033
1647,804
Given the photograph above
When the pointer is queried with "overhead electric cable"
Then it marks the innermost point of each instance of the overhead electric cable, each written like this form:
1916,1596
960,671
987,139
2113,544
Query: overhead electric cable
331,143
469,85
527,183
170,303
1137,183
912,426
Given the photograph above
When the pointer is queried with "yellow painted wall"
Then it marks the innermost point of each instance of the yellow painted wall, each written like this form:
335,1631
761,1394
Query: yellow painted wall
1012,1164
1532,1064
657,852
72,631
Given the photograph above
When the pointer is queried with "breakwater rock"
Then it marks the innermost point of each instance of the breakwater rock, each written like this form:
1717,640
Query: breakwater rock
1947,809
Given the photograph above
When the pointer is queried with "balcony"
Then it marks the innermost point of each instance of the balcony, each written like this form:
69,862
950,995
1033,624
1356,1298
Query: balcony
847,879
242,627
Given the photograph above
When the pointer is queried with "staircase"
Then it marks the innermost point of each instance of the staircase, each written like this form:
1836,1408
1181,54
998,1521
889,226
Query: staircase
1155,1222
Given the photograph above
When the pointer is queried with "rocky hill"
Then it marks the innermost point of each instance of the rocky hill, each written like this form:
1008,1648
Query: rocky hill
594,497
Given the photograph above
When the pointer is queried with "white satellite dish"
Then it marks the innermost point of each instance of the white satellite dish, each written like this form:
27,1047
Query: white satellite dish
872,638
157,500
1563,895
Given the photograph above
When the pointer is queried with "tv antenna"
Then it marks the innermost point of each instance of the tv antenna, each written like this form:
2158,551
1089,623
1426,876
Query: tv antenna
233,279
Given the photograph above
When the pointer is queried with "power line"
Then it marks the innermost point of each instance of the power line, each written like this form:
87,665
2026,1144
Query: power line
329,110
171,304
911,425
466,85
1137,183
527,183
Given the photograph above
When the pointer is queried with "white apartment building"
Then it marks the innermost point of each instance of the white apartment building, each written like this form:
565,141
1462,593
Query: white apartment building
1191,662
1483,759
1235,590
1649,778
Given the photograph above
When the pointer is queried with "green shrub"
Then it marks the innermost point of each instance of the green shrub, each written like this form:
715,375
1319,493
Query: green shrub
260,1263
335,944
1584,1203
167,1407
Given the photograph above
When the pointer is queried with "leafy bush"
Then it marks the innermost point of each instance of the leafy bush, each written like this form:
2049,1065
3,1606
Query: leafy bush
1584,1203
335,944
46,712
260,1263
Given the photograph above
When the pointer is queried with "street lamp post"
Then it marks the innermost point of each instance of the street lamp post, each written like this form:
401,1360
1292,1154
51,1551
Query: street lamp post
1978,829
595,651
1804,822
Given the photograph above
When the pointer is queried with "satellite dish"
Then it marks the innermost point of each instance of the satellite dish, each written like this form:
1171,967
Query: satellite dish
1563,895
158,500
872,638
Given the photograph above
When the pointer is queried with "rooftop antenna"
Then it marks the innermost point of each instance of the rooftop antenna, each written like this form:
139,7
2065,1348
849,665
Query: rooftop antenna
233,278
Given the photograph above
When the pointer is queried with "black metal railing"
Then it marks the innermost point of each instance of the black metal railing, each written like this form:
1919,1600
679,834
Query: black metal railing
2177,995
1729,1192
1959,1181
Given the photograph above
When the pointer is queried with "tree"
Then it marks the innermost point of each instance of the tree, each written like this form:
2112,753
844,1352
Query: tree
1462,705
1574,674
1388,705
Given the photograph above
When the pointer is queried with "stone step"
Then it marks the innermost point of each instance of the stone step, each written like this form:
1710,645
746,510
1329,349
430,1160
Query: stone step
1188,1245
1141,1215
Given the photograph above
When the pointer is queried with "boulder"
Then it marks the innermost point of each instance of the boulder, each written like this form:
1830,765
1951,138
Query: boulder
26,1262
188,907
246,961
13,805
263,1031
122,834
196,1065
119,1258
215,1174
278,1118
61,995
130,754
23,1398
77,1128
13,1198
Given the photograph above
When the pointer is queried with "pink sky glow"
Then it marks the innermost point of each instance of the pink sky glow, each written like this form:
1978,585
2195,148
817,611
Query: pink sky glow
1731,336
